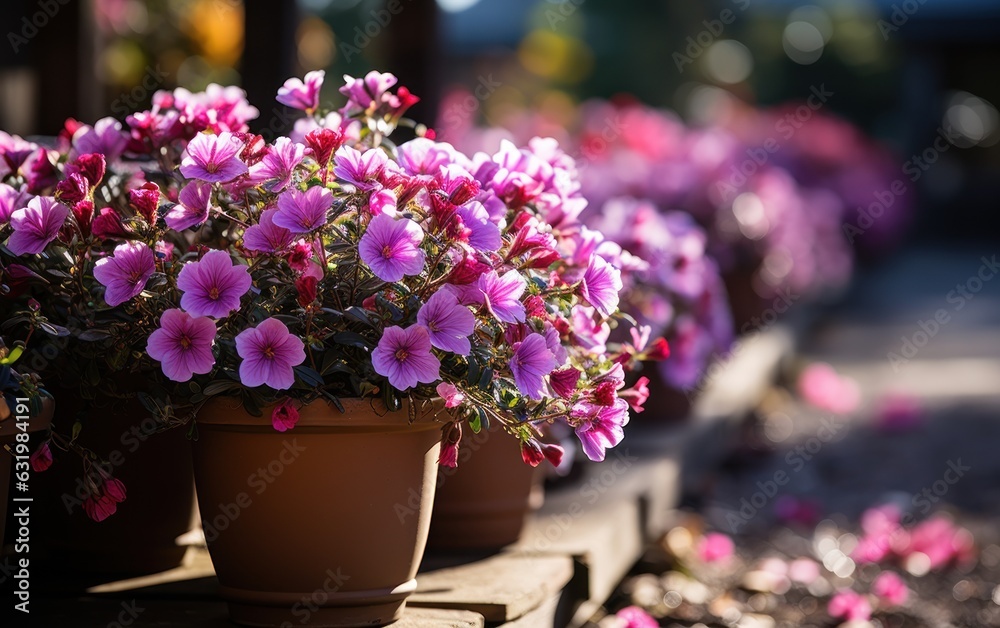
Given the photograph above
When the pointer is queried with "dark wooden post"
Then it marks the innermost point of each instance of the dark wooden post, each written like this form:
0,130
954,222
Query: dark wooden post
269,57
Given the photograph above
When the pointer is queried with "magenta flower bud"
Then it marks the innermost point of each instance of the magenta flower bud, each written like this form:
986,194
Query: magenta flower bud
42,458
285,415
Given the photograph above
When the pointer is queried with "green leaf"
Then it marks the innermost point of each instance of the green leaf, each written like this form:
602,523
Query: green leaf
92,374
486,379
474,371
148,403
484,419
93,335
219,387
13,356
352,339
309,376
77,427
54,330
359,314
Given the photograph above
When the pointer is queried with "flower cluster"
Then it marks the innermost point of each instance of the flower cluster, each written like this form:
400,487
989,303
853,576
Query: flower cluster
783,207
332,263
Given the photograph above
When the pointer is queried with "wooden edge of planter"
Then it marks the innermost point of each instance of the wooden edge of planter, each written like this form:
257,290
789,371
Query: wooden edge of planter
501,588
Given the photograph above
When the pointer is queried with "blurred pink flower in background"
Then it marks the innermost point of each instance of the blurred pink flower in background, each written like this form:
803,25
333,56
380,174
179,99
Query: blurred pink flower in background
635,617
821,386
850,606
890,589
715,547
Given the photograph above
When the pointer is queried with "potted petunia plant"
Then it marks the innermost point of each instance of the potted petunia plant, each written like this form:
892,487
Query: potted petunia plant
333,309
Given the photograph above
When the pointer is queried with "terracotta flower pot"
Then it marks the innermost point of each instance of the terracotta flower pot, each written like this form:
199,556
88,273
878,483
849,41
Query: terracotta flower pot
155,467
483,503
323,525
8,437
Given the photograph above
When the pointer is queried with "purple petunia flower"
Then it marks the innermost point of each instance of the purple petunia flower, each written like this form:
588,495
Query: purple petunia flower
302,212
485,235
448,322
391,247
361,170
601,285
278,164
183,345
192,210
105,137
270,354
600,427
213,286
267,237
213,158
404,357
36,225
11,200
300,94
531,362
503,295
125,273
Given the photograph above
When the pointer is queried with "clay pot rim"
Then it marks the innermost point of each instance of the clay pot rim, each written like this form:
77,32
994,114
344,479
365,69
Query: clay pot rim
321,413
42,421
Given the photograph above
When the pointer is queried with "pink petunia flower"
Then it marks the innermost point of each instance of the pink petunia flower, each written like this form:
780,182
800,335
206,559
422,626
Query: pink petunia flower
635,617
183,345
300,94
601,285
715,547
453,397
599,427
195,201
270,354
213,158
302,212
404,356
125,273
36,225
267,237
285,415
382,202
278,165
448,322
637,395
850,606
531,362
503,295
363,92
391,247
213,286
890,589
361,170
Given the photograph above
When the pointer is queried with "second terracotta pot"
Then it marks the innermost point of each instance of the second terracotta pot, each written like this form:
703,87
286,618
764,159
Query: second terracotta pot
323,525
484,502
141,537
